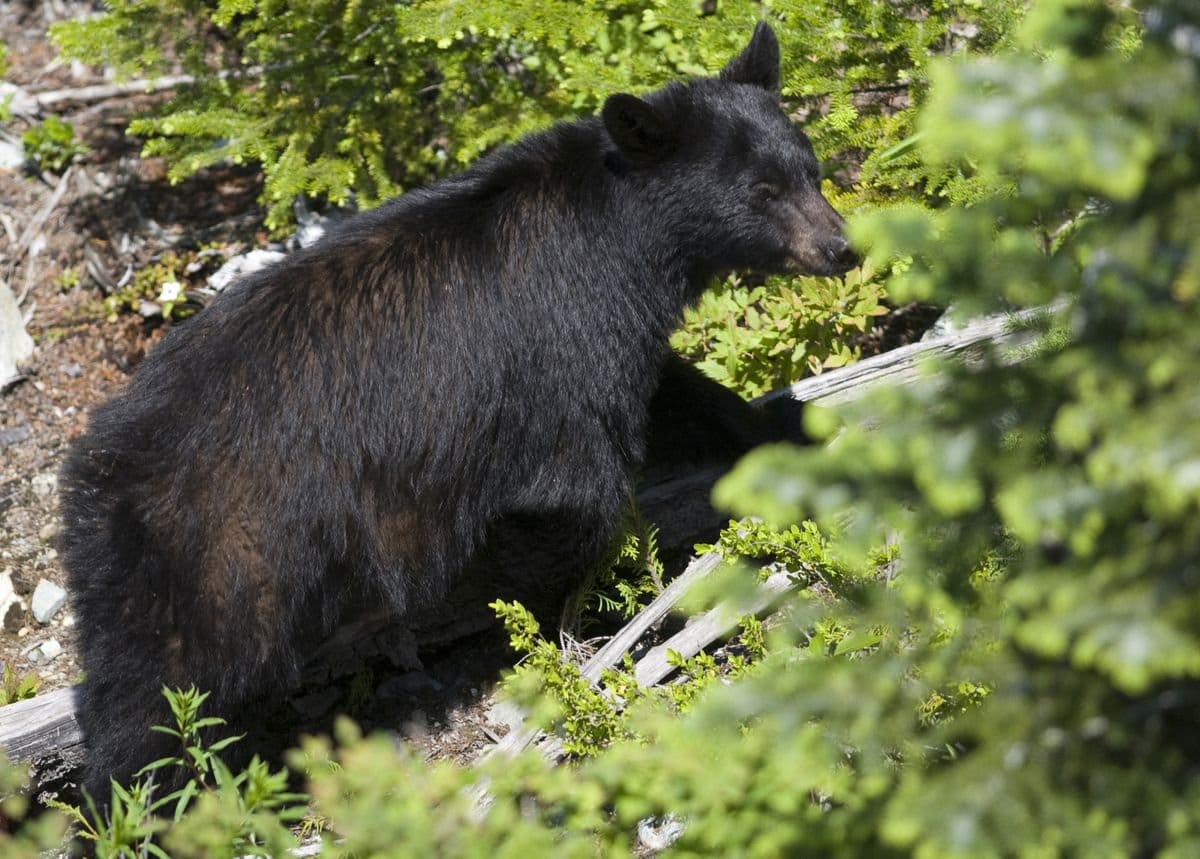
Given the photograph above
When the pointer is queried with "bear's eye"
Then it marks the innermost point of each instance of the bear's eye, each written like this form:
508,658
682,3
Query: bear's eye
766,190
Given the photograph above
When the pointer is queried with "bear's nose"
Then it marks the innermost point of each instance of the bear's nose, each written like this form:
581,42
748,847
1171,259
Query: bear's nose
840,255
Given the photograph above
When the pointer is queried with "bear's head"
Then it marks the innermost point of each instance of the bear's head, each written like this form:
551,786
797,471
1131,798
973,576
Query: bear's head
737,183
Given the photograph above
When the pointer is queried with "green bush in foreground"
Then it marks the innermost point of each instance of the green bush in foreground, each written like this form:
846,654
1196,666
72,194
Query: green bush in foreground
1077,468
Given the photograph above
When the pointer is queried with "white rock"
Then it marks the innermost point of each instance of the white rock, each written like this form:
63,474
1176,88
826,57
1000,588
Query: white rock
48,598
44,484
12,155
20,103
311,226
15,344
240,265
51,649
308,234
10,604
505,713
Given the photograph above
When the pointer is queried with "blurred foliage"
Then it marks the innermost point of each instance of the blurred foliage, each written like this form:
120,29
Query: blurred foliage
24,834
355,102
1073,476
51,144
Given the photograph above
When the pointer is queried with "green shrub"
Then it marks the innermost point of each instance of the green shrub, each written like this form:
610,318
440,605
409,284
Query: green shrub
217,812
757,339
363,100
371,97
51,144
628,580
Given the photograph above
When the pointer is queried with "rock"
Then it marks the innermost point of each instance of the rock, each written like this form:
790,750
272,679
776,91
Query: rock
240,265
33,653
15,435
73,370
22,583
48,598
12,155
49,532
310,226
51,649
12,607
45,484
12,615
15,344
504,712
19,102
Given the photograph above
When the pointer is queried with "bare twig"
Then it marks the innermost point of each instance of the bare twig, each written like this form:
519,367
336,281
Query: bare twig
37,222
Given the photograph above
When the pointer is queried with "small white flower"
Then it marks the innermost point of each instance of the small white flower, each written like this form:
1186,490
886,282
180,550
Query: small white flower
170,291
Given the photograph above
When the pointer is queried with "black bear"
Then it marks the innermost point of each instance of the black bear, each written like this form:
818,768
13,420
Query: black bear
459,379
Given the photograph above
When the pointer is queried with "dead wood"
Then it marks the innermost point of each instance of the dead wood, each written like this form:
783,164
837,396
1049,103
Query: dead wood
31,104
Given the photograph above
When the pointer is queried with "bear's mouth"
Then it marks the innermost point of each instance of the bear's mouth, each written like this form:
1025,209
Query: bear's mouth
806,265
822,261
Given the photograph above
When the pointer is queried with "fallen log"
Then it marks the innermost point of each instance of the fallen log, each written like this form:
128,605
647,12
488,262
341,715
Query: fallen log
46,725
28,105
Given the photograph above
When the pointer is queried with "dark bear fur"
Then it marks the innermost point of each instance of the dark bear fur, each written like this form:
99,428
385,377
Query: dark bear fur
459,378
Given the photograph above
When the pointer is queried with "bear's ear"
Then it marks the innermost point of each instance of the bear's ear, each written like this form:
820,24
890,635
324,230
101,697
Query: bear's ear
758,63
636,127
